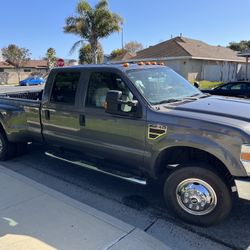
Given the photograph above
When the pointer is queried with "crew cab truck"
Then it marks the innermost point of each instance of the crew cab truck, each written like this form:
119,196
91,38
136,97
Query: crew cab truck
136,122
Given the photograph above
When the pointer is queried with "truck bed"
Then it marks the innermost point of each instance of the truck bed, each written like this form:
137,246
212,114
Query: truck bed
22,92
22,121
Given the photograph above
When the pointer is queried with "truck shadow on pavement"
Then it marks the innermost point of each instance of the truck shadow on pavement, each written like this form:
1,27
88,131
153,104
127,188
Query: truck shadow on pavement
144,203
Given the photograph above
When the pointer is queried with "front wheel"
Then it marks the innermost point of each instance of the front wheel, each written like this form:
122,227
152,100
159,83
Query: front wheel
198,195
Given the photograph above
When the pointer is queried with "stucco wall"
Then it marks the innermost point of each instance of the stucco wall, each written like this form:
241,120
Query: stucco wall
10,76
193,69
189,69
179,66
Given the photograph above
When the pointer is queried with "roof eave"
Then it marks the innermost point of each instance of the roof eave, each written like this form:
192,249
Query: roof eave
217,59
152,59
177,58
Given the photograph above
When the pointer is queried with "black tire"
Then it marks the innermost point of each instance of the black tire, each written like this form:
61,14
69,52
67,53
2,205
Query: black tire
178,196
7,149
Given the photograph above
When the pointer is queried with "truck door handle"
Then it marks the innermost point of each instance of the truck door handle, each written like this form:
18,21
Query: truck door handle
47,115
82,120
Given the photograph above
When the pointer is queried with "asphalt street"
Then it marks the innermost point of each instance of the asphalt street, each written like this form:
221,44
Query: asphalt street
140,206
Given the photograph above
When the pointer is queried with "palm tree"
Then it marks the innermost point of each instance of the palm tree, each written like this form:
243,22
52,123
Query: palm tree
92,24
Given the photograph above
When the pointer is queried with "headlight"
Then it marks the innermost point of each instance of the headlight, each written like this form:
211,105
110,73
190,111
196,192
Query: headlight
245,157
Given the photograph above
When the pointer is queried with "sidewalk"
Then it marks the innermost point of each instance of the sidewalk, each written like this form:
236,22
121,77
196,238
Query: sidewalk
33,216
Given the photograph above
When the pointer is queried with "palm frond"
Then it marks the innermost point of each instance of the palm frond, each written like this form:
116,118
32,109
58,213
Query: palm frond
76,45
106,23
119,19
92,24
102,4
83,7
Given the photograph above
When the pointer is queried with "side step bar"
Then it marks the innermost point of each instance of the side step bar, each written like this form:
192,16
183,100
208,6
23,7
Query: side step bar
91,167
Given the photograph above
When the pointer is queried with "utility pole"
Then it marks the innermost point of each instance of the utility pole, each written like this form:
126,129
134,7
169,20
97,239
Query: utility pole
122,39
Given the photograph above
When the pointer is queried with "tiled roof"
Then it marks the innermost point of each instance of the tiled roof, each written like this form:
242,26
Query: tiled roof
123,57
36,64
169,48
181,46
5,65
28,64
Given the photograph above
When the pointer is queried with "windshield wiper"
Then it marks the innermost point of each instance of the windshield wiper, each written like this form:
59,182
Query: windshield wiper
191,98
196,96
167,101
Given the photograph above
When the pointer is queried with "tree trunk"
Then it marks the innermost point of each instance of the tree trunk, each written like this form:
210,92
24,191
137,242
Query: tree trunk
94,56
94,51
18,74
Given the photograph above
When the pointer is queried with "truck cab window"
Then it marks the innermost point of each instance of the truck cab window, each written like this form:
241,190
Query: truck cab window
100,83
64,87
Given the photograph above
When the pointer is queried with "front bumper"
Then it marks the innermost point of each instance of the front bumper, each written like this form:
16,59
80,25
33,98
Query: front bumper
243,188
246,165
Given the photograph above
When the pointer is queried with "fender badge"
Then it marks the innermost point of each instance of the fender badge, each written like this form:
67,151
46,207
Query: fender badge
156,130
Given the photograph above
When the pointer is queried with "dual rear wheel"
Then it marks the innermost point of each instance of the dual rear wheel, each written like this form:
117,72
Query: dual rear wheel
9,149
198,195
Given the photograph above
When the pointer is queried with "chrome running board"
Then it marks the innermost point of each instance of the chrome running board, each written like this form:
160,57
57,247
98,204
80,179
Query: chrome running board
91,167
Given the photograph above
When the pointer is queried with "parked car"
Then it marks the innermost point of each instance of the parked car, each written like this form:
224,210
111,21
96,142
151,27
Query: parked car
137,122
32,80
237,89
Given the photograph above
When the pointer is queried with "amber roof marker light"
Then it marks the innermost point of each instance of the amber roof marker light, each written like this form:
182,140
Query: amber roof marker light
141,63
126,65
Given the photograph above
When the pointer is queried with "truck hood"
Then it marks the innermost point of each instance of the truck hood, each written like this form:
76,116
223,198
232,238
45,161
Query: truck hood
217,105
223,110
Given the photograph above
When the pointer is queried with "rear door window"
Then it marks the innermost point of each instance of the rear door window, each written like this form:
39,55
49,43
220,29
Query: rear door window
64,88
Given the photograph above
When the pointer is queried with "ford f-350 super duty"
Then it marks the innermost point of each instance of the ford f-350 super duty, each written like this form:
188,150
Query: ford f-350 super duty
139,122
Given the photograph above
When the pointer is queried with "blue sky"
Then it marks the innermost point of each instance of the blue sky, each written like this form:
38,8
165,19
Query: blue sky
38,25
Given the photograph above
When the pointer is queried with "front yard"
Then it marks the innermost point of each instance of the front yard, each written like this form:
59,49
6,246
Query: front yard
208,85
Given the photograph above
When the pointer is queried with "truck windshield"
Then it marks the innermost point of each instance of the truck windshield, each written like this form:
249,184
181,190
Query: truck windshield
162,85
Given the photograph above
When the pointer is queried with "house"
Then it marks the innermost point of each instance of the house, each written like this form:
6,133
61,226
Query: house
123,56
8,73
245,54
196,60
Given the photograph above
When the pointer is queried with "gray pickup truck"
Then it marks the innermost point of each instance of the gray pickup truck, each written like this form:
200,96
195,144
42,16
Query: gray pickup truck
139,122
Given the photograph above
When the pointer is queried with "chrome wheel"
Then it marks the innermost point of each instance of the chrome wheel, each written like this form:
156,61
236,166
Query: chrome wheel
196,196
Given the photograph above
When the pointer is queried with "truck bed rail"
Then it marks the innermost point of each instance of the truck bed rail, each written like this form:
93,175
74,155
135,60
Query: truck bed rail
24,95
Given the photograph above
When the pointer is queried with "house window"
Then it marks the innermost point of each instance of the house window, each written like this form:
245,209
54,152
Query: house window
27,70
1,70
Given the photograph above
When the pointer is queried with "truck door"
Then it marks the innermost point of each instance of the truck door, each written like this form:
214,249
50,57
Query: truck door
116,138
60,114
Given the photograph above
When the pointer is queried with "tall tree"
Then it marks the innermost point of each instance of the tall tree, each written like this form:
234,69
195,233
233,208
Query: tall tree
85,54
240,46
133,47
130,47
117,52
92,24
16,56
51,58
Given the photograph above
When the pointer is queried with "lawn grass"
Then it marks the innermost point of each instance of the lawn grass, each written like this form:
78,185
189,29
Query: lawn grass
208,85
